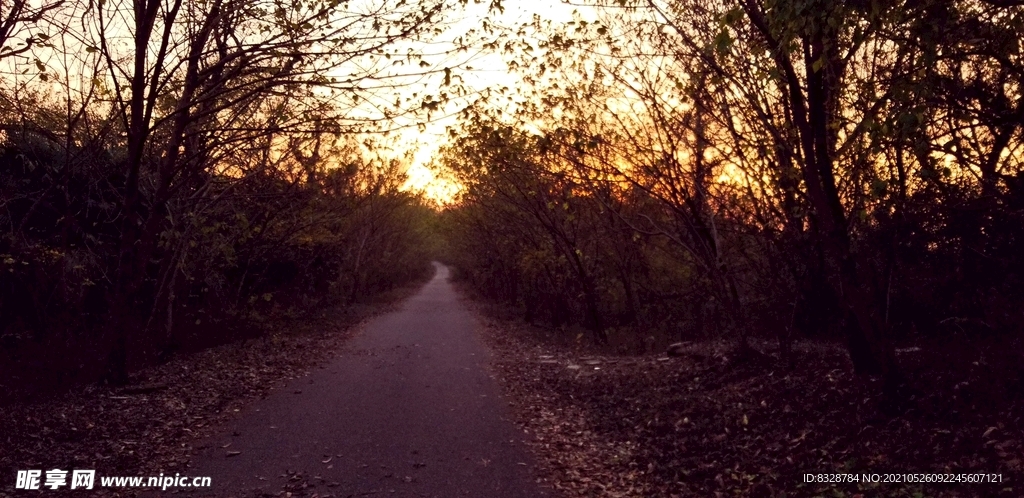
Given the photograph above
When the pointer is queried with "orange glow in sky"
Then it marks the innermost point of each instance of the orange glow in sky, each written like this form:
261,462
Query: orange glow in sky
489,71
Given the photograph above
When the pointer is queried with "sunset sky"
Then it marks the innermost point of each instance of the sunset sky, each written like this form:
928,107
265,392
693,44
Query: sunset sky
490,70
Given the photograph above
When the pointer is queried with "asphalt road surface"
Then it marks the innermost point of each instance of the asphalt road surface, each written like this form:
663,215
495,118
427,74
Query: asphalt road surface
407,409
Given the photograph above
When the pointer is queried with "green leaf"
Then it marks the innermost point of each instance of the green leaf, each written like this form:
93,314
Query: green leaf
722,42
730,18
879,187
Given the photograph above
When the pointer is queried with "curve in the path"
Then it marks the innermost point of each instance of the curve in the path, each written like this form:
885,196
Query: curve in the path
407,409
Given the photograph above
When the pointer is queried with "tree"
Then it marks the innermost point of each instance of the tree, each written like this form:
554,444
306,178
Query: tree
207,115
821,167
504,169
17,20
191,82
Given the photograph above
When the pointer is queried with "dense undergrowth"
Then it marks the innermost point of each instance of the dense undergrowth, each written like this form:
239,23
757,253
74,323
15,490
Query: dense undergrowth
229,261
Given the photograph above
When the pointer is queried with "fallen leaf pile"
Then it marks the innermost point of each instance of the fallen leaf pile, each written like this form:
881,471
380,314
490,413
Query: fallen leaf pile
705,424
151,426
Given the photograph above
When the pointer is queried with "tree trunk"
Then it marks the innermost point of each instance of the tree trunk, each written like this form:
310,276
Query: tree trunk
822,68
593,313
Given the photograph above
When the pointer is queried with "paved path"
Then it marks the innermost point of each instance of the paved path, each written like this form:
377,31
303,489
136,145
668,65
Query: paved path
406,410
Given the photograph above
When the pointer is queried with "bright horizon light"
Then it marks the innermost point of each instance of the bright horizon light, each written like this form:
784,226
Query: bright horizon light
490,71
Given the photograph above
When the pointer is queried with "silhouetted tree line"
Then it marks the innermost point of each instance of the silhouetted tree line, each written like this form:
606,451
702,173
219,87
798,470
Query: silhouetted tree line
797,168
233,251
174,174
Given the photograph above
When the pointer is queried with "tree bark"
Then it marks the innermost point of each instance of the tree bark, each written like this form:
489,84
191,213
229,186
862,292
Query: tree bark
870,350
